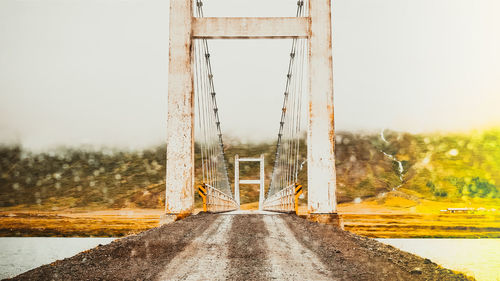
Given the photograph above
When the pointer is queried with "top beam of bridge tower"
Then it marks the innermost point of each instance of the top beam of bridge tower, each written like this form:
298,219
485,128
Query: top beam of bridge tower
251,28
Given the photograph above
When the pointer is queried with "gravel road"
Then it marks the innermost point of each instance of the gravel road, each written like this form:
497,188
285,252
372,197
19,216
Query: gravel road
243,246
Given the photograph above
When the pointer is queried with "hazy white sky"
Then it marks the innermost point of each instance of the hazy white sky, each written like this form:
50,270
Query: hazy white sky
95,71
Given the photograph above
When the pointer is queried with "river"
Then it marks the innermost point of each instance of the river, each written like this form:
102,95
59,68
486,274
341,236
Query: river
476,257
479,258
20,254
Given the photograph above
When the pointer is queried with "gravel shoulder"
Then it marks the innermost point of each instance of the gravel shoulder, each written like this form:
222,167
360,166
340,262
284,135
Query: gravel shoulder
139,257
352,257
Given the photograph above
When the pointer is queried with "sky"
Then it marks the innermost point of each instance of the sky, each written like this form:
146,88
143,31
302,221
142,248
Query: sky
95,72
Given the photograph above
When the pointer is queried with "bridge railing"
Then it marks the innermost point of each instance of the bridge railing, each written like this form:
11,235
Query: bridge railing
285,200
215,200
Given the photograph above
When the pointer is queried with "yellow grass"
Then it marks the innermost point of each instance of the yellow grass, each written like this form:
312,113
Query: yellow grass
397,215
250,206
105,223
394,215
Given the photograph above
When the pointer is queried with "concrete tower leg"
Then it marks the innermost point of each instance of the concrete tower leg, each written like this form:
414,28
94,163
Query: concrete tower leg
322,202
179,197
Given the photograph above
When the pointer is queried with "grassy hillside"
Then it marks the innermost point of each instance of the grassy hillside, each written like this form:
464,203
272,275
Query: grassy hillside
451,167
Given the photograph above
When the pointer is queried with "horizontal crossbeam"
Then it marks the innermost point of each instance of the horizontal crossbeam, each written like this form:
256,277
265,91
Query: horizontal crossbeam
251,28
250,159
250,181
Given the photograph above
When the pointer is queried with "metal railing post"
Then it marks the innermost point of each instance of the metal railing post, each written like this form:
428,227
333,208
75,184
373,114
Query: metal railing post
237,179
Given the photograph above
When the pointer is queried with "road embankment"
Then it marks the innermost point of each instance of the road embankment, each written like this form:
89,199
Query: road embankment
243,247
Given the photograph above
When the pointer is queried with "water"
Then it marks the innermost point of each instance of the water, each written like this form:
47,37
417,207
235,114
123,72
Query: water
20,254
479,258
393,158
476,257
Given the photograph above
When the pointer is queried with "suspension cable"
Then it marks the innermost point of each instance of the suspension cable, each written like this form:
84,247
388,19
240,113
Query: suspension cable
214,168
287,156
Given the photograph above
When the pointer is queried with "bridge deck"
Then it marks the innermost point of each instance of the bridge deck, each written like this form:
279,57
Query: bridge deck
243,247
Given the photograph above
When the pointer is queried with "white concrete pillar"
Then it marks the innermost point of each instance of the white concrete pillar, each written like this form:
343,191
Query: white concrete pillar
321,138
237,179
179,197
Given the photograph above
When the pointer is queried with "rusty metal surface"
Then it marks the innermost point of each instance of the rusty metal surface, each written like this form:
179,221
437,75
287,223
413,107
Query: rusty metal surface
320,136
251,28
180,140
180,133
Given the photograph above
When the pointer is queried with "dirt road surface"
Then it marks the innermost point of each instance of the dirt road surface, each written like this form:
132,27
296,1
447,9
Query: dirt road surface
243,246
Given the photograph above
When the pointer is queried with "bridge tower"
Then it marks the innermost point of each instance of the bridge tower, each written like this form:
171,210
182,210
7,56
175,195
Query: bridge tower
184,28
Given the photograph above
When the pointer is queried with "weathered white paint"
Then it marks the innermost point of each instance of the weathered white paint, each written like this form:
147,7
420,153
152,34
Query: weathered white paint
237,179
320,137
251,28
281,201
250,159
179,197
218,201
262,182
180,141
250,181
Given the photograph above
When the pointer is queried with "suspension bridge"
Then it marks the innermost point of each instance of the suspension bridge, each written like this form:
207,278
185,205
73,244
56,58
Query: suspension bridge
225,243
193,113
